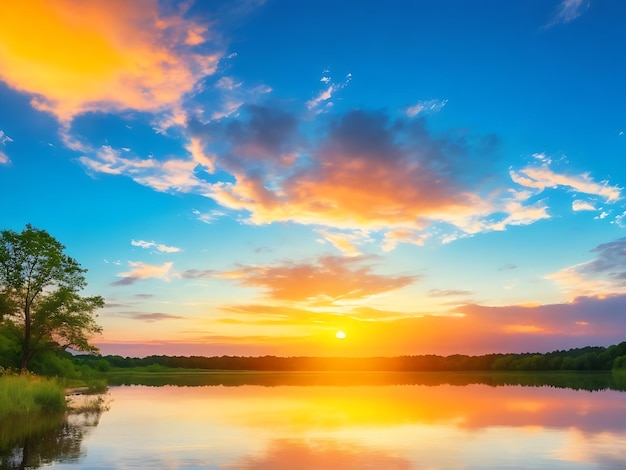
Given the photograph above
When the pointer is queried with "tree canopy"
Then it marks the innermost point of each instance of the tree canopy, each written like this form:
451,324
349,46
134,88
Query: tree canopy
40,303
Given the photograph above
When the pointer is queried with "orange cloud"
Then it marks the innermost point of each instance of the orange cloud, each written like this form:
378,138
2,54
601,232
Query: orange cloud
330,279
101,55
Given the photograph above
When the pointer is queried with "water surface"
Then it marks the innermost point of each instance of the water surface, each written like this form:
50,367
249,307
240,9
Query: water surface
365,426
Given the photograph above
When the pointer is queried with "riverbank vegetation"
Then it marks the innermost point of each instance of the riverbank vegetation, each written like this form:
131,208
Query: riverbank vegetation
27,395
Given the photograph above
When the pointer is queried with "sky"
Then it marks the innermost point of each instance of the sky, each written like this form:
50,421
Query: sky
251,177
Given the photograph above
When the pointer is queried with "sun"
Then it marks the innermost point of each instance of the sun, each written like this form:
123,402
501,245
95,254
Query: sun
340,335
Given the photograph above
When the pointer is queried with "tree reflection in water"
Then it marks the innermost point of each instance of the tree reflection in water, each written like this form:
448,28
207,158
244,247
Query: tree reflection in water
41,439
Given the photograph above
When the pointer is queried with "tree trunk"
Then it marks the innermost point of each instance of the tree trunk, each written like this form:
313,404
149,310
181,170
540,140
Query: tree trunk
26,353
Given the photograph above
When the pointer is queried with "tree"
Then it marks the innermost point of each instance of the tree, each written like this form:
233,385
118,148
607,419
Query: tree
40,295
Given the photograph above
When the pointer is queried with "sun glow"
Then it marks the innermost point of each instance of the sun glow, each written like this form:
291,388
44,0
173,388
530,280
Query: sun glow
340,335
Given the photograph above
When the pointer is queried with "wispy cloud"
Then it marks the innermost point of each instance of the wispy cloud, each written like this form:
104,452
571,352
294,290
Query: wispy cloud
158,246
4,138
133,55
569,10
150,317
4,159
140,271
541,177
323,98
449,292
344,242
422,107
199,274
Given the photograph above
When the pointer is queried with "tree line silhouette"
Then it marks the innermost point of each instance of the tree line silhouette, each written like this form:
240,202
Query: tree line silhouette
589,358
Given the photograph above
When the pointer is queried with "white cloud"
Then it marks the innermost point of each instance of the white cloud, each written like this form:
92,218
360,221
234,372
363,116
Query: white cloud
325,95
579,205
4,160
543,177
430,106
207,217
159,247
569,10
4,138
227,83
175,174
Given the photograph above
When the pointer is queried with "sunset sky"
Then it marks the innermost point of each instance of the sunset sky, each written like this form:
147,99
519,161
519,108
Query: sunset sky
249,177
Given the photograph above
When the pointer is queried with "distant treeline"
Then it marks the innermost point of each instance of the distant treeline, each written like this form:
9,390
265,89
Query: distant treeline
587,358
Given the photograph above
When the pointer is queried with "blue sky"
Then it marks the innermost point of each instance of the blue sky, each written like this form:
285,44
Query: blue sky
251,177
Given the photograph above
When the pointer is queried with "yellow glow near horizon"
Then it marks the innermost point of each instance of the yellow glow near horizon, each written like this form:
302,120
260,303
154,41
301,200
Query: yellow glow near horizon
340,335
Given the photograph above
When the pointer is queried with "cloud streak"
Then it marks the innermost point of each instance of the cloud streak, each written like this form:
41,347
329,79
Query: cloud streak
158,246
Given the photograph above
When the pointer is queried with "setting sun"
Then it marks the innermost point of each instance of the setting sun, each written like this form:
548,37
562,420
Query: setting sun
340,335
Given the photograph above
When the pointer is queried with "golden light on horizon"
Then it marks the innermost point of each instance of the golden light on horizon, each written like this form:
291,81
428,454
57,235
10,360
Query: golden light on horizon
340,335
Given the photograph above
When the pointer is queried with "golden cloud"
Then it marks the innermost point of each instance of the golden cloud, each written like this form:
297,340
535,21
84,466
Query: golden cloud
331,279
101,55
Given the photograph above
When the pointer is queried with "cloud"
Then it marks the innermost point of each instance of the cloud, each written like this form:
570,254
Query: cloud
359,176
449,293
507,267
579,205
366,177
603,276
4,138
430,106
324,96
207,217
151,317
468,329
159,247
174,174
142,271
198,274
133,55
4,159
344,242
569,10
393,237
543,177
328,280
233,95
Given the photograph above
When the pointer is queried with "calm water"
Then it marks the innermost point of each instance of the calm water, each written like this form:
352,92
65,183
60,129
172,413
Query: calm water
341,426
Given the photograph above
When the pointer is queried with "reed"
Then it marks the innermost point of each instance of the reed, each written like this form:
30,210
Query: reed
21,395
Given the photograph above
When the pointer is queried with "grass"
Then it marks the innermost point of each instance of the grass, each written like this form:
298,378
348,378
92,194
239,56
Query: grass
21,395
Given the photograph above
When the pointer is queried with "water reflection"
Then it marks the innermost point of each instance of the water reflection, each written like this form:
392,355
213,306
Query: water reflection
38,440
336,425
592,381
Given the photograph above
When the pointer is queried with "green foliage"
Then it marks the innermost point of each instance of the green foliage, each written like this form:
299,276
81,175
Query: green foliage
583,359
39,295
620,363
29,394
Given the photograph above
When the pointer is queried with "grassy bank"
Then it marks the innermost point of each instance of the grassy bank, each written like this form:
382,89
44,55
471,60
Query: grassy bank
24,395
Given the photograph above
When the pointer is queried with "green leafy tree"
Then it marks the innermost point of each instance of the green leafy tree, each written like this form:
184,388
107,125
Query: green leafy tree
40,297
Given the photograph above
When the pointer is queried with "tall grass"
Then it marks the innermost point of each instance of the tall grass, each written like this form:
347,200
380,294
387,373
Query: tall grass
29,394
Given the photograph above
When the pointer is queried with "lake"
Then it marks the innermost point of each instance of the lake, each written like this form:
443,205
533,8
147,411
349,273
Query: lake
344,421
